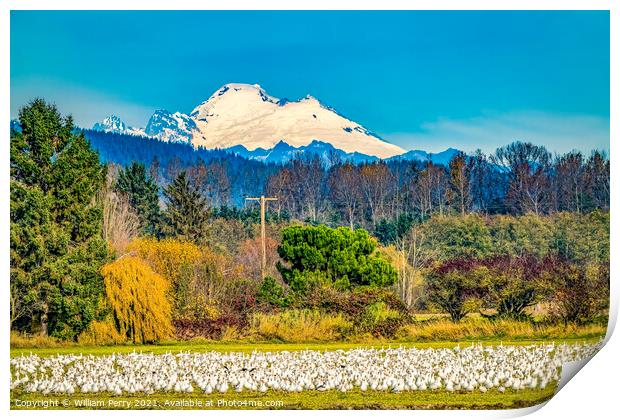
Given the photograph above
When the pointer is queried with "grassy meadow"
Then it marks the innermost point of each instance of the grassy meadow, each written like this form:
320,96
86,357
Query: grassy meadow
248,347
310,400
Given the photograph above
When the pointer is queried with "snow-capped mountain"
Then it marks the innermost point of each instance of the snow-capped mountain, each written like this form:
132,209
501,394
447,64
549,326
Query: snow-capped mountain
113,124
245,120
168,126
242,114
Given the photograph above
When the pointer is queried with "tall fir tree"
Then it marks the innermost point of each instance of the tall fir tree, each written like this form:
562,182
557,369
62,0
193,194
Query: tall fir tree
142,191
187,211
56,246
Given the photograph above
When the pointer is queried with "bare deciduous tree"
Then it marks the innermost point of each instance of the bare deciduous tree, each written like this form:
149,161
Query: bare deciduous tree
460,173
120,223
527,167
344,187
376,185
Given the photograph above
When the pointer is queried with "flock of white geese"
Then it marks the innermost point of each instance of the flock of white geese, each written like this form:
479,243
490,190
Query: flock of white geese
466,369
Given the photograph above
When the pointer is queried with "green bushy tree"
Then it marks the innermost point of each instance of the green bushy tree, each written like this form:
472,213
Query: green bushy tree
582,237
389,232
273,293
187,211
142,192
451,237
56,246
573,236
340,257
518,236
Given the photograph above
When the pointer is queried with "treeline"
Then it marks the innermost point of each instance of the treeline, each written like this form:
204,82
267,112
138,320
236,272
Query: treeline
517,179
225,177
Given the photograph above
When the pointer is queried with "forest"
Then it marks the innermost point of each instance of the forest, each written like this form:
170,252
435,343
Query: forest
120,239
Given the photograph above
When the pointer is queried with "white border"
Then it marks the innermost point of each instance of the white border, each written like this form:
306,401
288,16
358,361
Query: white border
311,5
592,395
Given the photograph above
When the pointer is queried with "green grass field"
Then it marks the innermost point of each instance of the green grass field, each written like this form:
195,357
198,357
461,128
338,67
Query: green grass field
248,347
355,399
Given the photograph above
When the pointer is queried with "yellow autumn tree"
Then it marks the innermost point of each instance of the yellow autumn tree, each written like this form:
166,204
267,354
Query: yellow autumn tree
138,298
176,261
169,257
101,333
199,277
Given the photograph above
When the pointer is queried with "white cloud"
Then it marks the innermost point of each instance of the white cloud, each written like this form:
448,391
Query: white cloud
560,133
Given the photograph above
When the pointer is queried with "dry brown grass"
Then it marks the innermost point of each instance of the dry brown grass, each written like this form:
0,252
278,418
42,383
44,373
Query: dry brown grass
299,326
479,328
295,326
19,340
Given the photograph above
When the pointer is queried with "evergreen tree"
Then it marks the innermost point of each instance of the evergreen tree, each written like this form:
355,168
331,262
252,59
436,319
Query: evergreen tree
344,258
56,246
142,191
187,212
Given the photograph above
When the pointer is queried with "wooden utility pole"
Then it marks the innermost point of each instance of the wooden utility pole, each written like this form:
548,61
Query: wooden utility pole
262,200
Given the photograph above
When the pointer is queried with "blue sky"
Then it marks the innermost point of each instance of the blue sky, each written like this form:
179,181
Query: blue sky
425,80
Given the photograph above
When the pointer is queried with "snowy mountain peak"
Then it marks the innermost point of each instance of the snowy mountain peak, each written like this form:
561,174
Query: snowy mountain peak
173,127
231,95
309,97
244,114
114,124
